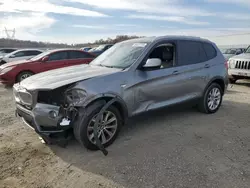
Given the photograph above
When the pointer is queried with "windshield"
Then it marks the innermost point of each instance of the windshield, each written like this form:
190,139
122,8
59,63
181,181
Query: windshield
248,50
39,56
230,51
121,55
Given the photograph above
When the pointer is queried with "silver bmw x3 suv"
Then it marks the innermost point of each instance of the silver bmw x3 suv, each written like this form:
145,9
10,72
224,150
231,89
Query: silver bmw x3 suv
140,74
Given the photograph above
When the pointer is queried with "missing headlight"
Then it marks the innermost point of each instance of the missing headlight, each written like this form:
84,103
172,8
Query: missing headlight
75,96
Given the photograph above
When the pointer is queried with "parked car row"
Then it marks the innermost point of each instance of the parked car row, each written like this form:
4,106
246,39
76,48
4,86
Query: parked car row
138,75
14,54
26,66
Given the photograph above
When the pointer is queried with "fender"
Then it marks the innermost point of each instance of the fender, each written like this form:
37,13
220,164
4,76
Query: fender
212,80
110,95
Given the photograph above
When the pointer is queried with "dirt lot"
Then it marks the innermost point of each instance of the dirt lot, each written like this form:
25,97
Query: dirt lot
168,148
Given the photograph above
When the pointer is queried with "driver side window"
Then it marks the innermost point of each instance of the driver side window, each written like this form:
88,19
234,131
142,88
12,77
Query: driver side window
58,56
166,53
18,54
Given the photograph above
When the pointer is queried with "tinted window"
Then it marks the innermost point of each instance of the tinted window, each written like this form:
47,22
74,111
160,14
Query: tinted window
190,52
19,54
32,52
210,51
78,55
58,56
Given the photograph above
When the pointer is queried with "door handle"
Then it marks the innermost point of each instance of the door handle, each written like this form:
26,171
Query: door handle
175,73
207,66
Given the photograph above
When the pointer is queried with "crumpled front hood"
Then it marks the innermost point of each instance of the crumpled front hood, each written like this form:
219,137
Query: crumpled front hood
244,56
63,76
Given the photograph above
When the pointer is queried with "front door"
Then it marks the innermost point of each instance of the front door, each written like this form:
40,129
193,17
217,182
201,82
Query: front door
158,87
55,60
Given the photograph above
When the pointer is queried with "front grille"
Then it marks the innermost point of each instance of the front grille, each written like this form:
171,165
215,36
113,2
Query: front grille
242,65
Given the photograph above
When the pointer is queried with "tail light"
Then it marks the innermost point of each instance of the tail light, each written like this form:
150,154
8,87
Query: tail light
226,64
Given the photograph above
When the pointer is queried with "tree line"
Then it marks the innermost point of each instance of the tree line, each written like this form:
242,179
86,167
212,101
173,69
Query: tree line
14,43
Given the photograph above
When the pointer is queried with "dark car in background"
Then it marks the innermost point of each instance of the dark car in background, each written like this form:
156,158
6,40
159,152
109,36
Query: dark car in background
86,49
100,49
230,52
17,71
5,51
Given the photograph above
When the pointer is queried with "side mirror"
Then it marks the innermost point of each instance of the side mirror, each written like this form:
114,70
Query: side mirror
152,63
46,58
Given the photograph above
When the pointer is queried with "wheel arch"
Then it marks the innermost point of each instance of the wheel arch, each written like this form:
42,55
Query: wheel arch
27,70
119,103
219,80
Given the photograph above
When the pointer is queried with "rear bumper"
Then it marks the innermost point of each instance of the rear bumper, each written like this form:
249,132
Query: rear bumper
39,118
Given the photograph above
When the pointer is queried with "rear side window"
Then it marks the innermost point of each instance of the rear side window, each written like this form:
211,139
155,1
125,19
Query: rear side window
79,55
190,52
58,56
210,51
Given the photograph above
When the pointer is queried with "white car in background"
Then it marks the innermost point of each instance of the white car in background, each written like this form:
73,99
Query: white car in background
21,54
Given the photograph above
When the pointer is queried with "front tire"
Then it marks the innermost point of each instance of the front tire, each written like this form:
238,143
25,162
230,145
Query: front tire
83,128
23,75
211,100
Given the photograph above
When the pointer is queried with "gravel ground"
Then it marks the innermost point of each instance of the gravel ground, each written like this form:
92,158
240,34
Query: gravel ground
178,147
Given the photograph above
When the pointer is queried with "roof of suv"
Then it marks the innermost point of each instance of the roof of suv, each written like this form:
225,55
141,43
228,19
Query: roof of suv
169,37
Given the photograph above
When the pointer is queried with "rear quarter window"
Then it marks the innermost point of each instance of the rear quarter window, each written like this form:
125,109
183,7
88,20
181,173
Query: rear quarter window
210,51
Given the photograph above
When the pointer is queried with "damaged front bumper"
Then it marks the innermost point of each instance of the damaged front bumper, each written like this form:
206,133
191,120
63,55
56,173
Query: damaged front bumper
43,118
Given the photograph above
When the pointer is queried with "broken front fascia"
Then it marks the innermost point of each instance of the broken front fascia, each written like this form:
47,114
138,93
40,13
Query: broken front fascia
68,111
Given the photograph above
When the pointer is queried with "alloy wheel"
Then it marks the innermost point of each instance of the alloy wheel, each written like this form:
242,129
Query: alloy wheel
214,98
107,127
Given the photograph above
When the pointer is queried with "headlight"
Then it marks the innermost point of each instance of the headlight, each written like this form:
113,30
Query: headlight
75,96
7,69
231,63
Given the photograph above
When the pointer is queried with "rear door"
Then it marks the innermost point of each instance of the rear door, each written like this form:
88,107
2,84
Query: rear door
192,67
79,57
55,60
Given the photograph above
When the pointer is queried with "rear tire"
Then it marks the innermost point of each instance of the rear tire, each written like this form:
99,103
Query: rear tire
211,100
81,128
23,75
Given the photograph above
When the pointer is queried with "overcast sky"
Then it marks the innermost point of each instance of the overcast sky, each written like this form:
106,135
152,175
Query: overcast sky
76,21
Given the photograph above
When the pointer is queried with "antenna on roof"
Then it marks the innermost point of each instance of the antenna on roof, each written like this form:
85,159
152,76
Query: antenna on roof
10,33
